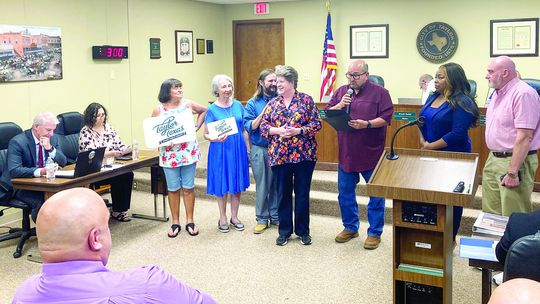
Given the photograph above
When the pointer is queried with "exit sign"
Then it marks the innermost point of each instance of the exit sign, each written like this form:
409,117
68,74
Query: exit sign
262,8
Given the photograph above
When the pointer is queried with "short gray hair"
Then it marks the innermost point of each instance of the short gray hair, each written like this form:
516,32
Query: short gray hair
44,117
215,83
287,72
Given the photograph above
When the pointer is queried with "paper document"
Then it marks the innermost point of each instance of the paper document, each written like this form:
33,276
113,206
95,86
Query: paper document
64,173
222,127
479,249
492,224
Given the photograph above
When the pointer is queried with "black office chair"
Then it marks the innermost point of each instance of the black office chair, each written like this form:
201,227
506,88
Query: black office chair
535,83
522,260
67,130
377,79
472,83
8,130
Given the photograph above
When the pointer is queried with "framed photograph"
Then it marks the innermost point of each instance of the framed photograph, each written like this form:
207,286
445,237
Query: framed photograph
184,46
209,46
30,53
200,46
514,37
369,41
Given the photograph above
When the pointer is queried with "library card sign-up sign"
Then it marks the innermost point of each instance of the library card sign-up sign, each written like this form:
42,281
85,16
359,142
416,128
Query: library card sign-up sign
407,116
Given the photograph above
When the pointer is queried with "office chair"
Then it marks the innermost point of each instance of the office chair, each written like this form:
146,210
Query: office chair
535,83
8,131
522,259
67,130
377,79
472,83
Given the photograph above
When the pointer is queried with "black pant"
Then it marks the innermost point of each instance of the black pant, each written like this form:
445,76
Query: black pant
121,187
33,198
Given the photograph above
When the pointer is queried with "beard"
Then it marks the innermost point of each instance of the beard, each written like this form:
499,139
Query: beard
270,91
495,83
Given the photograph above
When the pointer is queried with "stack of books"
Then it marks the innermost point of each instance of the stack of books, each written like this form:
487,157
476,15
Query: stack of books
490,224
478,249
421,269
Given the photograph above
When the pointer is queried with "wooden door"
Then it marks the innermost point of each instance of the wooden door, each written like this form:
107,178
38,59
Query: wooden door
257,44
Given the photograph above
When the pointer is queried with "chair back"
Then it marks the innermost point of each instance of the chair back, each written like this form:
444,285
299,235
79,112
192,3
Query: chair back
8,131
535,83
522,260
472,83
377,79
67,130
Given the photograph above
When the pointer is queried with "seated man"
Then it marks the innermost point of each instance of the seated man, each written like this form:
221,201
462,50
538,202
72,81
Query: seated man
516,291
519,225
75,248
28,152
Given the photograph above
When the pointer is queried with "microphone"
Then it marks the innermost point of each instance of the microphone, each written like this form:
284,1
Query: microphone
348,108
420,122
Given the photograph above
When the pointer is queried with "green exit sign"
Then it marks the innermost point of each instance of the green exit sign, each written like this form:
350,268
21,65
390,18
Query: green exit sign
408,116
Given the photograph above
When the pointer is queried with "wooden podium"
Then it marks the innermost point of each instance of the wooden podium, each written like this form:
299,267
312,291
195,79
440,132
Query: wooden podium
421,184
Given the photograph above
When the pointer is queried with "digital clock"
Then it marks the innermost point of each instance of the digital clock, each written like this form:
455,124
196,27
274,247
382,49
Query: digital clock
109,52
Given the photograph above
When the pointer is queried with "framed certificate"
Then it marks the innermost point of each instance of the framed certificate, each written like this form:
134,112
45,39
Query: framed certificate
514,37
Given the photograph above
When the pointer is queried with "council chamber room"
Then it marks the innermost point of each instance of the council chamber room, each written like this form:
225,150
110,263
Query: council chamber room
350,151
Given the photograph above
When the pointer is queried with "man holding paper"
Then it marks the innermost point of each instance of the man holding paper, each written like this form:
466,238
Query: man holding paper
370,108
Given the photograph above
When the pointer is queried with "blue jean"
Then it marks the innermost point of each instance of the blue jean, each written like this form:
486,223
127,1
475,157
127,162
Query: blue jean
295,177
348,206
266,203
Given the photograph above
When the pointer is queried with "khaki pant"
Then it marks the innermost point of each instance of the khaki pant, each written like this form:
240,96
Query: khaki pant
501,200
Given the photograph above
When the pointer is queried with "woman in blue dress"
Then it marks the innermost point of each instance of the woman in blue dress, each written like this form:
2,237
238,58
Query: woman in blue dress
228,171
449,112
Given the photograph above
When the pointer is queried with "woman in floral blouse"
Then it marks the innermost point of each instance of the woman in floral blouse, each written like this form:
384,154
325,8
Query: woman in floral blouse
98,133
179,160
290,123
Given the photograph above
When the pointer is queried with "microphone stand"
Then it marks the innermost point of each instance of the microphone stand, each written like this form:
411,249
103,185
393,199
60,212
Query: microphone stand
393,155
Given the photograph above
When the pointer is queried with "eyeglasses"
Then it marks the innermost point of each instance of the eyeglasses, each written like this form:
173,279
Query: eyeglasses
354,76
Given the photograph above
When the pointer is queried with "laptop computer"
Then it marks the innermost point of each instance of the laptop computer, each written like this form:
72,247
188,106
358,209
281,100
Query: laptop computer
87,162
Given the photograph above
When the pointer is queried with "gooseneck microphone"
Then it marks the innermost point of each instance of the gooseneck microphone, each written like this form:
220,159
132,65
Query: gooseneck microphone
348,108
392,155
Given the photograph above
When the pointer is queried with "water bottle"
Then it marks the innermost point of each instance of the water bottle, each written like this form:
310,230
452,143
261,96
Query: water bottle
50,169
135,150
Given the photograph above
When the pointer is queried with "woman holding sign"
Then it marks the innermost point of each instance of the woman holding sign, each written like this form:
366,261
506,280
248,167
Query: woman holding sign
178,160
290,122
228,171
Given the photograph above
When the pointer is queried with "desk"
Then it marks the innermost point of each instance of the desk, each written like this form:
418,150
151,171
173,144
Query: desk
487,268
146,159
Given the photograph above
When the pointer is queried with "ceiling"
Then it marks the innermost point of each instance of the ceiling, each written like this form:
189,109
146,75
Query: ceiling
240,1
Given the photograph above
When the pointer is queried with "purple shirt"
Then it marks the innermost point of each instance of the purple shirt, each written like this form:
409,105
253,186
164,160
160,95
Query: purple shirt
360,150
516,105
90,282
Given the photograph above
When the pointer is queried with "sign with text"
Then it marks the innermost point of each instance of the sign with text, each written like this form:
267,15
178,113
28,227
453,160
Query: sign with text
408,116
164,130
222,127
262,8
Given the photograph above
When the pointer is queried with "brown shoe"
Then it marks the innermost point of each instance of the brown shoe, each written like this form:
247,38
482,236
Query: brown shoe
345,236
372,242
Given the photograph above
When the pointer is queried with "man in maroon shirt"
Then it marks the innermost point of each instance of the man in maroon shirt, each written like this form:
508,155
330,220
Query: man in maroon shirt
370,109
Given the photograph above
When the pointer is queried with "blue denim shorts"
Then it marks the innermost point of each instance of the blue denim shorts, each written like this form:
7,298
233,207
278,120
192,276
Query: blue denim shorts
180,177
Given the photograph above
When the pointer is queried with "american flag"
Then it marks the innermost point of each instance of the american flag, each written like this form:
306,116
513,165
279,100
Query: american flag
329,62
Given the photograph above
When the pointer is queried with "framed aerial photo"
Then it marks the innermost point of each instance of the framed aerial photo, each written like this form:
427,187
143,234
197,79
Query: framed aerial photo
369,41
30,53
184,46
514,37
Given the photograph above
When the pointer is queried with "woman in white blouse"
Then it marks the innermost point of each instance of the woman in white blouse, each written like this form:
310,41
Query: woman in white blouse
98,133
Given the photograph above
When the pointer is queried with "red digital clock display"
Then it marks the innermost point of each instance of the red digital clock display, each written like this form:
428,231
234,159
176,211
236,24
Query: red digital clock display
109,52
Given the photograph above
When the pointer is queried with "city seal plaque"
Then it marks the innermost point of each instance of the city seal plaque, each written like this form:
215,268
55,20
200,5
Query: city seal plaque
437,42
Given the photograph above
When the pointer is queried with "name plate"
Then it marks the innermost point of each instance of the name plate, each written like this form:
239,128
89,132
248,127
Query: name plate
222,127
172,129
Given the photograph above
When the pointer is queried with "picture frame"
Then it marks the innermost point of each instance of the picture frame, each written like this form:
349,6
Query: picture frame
184,46
369,41
514,37
200,46
209,46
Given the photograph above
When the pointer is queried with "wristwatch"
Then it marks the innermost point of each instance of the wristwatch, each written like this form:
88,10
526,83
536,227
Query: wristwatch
368,124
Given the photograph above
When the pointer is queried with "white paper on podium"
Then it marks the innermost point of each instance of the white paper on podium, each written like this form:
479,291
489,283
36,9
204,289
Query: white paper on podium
172,129
222,127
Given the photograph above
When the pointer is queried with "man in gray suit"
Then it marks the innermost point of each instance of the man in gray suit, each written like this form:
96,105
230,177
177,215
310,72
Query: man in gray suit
27,153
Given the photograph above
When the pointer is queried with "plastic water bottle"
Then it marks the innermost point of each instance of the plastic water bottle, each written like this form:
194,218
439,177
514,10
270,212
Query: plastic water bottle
135,150
50,169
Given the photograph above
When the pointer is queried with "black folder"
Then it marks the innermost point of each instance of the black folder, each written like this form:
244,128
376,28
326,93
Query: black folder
338,119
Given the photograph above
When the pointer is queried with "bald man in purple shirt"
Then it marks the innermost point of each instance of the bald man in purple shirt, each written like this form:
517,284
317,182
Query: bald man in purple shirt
75,249
371,111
